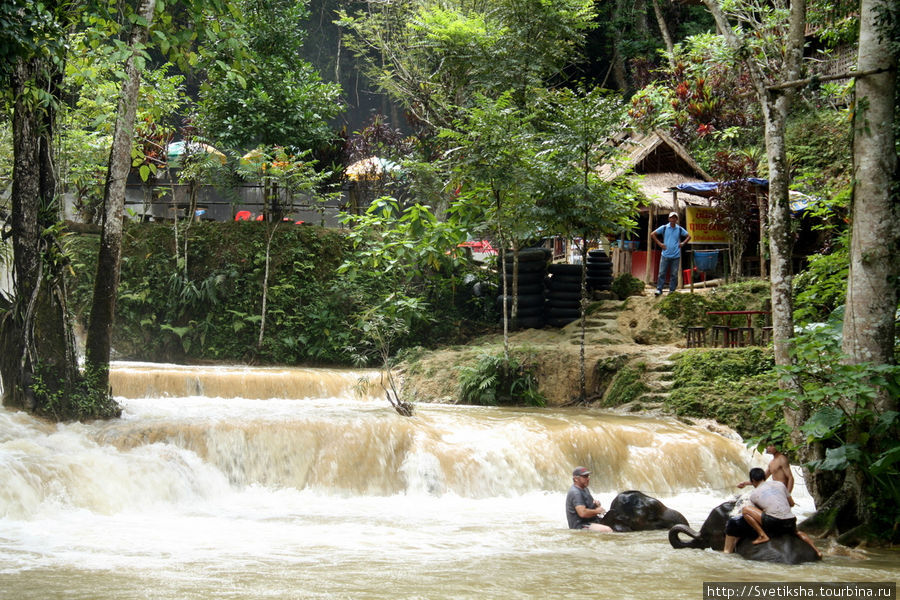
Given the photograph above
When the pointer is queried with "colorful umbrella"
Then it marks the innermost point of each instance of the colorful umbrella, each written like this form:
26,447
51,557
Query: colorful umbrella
372,167
176,150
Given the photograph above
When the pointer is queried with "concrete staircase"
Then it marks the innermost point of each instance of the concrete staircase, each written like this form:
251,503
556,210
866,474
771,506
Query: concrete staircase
601,326
659,378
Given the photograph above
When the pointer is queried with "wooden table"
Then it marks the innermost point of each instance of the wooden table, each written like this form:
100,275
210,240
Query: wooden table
730,313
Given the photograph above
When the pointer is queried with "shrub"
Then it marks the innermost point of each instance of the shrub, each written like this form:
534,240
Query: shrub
626,285
494,380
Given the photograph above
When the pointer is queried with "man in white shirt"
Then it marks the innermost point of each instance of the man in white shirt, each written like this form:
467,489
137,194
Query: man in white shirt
769,512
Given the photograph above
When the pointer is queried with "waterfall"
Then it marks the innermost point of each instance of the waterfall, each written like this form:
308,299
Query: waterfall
198,430
300,483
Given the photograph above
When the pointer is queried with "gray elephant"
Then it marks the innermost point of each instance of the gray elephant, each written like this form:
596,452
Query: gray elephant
788,549
636,511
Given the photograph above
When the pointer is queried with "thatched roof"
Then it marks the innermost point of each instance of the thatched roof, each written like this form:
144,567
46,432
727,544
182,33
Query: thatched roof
661,162
656,187
656,152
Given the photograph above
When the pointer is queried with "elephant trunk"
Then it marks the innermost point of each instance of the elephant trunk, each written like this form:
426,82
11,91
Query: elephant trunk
695,542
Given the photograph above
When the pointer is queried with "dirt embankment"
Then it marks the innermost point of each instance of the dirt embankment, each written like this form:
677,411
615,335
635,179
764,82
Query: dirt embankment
632,329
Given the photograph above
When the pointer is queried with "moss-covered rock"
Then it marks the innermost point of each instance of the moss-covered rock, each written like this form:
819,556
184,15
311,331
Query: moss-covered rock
627,385
722,384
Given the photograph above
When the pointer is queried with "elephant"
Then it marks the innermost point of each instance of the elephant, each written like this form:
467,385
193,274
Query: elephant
636,511
788,548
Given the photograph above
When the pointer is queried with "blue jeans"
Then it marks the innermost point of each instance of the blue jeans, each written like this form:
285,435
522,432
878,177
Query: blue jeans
668,266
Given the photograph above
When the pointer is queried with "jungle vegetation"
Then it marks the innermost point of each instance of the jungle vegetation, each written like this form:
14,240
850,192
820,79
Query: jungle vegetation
482,113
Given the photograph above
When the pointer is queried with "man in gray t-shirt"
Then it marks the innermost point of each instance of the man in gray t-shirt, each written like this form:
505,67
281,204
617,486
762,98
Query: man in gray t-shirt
582,511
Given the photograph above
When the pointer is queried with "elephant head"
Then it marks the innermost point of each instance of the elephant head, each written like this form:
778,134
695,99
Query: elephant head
636,511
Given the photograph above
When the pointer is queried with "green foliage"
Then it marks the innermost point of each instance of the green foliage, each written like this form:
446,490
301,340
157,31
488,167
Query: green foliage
434,58
212,310
626,285
722,384
847,414
697,367
821,287
278,98
578,123
494,381
626,385
819,149
86,400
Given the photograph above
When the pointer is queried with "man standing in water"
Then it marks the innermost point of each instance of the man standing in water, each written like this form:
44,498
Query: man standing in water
582,511
779,469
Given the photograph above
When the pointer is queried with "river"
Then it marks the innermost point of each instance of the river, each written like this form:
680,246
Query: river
252,483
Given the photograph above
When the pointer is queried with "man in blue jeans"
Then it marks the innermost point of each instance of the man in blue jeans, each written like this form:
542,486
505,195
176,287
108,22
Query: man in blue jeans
674,236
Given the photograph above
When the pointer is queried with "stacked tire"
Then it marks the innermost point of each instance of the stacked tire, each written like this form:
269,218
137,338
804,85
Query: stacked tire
599,270
564,295
530,289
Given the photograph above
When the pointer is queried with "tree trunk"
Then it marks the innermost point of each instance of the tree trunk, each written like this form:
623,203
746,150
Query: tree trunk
103,308
36,340
664,31
872,282
775,106
868,335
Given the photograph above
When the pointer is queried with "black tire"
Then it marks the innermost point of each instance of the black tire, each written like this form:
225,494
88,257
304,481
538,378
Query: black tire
599,285
530,289
565,295
596,270
564,269
528,255
599,267
529,323
560,303
598,261
529,277
566,278
565,286
563,313
524,300
527,311
600,273
526,267
596,253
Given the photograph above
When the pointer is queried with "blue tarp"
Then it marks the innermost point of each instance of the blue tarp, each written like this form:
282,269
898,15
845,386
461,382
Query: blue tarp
706,189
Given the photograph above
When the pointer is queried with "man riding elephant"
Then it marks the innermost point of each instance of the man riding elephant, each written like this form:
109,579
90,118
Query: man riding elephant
768,512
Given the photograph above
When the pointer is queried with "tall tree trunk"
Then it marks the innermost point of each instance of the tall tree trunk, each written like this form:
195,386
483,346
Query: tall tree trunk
664,31
103,308
36,339
775,104
868,335
872,282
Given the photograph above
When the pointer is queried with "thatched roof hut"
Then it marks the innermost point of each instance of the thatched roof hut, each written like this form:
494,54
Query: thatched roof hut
662,164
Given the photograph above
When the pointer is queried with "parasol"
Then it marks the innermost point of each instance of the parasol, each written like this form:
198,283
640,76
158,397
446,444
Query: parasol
176,150
372,167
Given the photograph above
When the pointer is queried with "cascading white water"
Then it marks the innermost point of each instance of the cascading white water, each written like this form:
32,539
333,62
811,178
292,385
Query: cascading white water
286,483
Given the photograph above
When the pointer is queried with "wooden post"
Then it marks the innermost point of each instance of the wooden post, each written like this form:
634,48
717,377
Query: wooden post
681,262
648,264
761,203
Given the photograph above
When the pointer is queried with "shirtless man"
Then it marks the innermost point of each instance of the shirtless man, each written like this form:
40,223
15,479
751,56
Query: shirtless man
779,469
